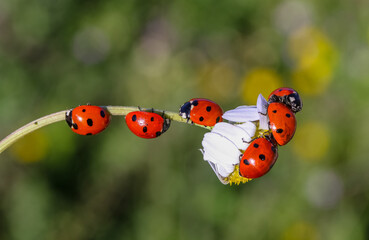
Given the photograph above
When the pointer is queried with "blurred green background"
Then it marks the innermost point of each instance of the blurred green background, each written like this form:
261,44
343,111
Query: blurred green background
55,55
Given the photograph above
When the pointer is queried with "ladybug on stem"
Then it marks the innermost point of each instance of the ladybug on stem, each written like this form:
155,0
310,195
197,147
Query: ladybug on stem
147,124
87,119
201,111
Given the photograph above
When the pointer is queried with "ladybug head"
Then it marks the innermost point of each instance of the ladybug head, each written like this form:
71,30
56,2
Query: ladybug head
294,102
68,118
185,110
166,124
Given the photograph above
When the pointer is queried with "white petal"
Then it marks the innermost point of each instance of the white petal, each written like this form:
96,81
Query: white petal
220,177
225,169
219,149
264,122
250,128
242,114
262,104
233,133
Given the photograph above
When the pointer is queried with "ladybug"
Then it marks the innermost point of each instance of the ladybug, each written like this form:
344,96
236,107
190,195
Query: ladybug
258,158
201,111
282,122
147,124
287,96
87,119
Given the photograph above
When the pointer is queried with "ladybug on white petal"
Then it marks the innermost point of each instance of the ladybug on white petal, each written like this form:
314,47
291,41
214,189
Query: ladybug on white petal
259,157
288,96
283,104
282,122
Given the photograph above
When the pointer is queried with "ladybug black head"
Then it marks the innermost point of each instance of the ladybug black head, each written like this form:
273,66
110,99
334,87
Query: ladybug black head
68,118
185,110
166,125
294,102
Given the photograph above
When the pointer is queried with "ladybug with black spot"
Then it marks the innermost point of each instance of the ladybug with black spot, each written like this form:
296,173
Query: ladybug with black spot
259,157
201,111
88,119
147,124
287,96
282,122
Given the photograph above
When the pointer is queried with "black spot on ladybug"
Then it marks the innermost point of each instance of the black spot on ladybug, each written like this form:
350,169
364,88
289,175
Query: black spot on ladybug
279,130
195,103
246,162
280,90
102,113
201,119
152,119
256,145
274,111
90,122
144,129
89,134
288,115
262,157
158,134
274,149
83,110
134,117
217,120
208,108
75,126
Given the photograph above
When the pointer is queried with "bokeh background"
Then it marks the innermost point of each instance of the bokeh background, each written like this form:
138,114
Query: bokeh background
55,55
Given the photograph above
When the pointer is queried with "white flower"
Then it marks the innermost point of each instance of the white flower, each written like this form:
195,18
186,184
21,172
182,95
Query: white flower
250,113
223,146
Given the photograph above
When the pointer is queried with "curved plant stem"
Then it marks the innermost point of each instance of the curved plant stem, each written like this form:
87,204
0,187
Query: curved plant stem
60,116
30,127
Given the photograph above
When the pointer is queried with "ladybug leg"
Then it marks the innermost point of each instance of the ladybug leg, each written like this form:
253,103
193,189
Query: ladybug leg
248,142
163,114
264,114
139,108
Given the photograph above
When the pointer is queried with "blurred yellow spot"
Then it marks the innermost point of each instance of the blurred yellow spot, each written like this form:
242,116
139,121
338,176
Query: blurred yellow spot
311,140
31,148
217,80
260,80
315,59
301,231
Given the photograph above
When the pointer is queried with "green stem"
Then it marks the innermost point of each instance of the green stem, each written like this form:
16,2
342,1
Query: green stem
60,116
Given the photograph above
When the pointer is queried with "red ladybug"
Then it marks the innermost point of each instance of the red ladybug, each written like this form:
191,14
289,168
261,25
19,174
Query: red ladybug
258,158
201,111
87,119
287,96
282,122
147,124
